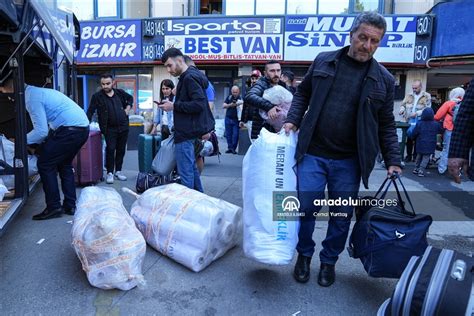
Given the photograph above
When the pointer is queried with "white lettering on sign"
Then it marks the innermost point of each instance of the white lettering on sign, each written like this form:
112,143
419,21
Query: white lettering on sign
344,23
233,26
108,31
106,50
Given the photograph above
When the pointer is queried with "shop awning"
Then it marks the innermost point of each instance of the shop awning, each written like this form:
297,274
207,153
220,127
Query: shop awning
59,23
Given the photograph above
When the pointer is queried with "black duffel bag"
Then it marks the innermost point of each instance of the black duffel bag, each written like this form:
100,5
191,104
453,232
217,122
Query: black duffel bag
385,238
147,180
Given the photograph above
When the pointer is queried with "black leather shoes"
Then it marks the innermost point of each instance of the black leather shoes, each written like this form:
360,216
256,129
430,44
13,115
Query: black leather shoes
47,214
69,210
302,267
327,275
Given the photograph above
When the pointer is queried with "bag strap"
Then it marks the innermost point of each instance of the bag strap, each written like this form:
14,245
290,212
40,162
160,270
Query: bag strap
395,177
381,187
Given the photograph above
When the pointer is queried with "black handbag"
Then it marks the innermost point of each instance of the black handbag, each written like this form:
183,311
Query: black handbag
385,238
146,181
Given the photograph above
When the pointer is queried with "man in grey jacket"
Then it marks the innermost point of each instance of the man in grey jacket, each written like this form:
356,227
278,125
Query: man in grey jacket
343,109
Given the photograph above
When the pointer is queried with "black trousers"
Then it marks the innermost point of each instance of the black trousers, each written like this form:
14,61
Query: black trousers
116,143
411,152
56,155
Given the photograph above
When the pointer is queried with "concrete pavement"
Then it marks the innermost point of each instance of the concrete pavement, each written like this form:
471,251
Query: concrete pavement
47,278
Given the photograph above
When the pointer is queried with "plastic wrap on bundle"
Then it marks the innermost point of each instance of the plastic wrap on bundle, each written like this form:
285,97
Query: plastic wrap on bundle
207,149
3,190
106,240
186,225
280,97
267,240
8,148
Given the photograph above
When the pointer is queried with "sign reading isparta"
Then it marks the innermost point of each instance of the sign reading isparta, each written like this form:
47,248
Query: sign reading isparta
227,38
117,41
307,36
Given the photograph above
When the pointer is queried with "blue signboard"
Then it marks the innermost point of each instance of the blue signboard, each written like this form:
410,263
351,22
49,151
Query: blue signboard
110,41
307,36
153,41
231,38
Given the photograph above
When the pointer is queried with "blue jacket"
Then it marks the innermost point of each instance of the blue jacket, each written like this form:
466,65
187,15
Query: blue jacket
425,132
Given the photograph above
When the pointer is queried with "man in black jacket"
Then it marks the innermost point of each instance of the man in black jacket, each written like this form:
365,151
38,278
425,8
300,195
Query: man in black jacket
344,111
254,97
112,106
193,118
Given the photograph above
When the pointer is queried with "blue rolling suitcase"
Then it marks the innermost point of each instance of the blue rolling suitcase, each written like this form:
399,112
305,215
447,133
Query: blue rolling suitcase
148,146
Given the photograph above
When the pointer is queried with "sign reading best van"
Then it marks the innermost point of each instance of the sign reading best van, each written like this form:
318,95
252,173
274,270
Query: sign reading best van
307,36
227,38
110,42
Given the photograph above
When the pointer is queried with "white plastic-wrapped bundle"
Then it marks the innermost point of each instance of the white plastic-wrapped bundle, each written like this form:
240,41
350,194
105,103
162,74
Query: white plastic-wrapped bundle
106,240
7,152
281,97
265,239
186,225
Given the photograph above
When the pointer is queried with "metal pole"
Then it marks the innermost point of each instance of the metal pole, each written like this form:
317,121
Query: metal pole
20,162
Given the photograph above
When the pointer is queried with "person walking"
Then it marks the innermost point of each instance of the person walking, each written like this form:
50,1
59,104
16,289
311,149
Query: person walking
425,133
349,86
411,108
112,106
446,113
193,118
231,120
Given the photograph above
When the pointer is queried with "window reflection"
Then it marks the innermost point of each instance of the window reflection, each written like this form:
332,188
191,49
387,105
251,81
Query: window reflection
240,7
301,7
366,5
333,6
270,7
84,9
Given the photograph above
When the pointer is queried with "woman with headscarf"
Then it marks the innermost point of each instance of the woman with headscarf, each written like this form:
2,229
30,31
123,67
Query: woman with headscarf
161,117
446,113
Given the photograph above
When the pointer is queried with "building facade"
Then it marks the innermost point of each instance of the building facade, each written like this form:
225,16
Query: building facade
229,38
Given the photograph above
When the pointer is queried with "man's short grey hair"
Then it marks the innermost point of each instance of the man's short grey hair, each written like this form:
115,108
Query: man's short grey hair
370,18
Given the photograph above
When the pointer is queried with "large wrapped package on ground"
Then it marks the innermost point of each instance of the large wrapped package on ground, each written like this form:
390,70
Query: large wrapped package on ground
281,97
106,240
268,169
186,225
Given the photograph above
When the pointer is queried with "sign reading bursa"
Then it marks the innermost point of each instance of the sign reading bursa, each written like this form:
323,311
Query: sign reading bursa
227,38
307,36
114,41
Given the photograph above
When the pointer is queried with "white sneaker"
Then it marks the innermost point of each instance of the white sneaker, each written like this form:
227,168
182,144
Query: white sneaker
119,175
110,178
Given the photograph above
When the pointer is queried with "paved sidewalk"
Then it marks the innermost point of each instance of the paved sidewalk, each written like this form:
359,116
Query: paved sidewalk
47,279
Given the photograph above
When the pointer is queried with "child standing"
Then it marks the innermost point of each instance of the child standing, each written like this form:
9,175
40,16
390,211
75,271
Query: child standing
425,134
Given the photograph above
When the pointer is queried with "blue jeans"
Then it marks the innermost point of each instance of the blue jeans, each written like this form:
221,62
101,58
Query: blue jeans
443,161
342,178
56,155
186,164
231,133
